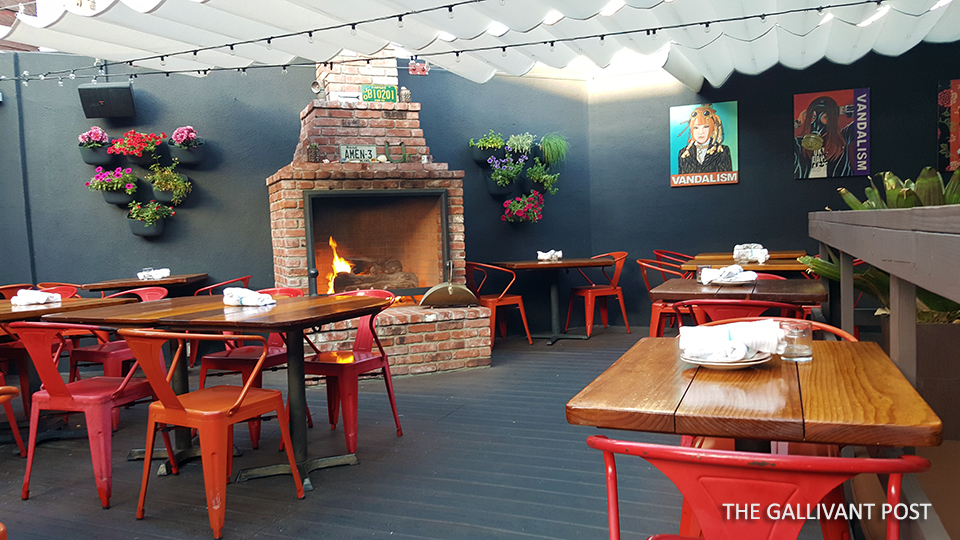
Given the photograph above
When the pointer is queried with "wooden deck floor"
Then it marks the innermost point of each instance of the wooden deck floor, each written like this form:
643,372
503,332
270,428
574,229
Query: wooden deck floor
486,454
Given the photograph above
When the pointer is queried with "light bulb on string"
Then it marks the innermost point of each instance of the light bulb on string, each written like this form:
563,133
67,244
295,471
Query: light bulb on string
163,61
129,79
269,44
449,12
59,81
353,29
458,56
94,80
101,72
42,76
26,82
503,52
602,41
283,70
73,75
706,28
552,47
243,72
232,52
310,37
400,21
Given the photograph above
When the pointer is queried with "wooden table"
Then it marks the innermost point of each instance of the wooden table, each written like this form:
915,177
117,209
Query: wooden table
851,393
773,255
11,313
208,313
554,268
791,291
771,265
131,283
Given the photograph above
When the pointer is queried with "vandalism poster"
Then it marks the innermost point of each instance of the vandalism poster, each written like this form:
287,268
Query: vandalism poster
703,144
831,134
948,153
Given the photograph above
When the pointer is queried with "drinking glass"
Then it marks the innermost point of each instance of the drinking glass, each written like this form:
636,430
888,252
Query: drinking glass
799,338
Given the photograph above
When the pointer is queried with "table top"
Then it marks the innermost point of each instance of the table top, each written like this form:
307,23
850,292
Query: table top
10,313
850,393
130,283
209,313
562,263
791,291
771,265
773,255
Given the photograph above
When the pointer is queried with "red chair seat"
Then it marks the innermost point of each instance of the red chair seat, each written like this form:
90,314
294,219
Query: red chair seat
493,301
597,293
111,354
214,402
95,391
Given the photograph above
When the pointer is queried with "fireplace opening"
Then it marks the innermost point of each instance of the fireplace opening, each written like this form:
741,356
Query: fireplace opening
394,240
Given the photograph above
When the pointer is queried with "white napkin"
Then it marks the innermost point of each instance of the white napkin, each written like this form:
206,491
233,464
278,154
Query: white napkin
158,273
728,274
26,297
750,252
731,342
238,296
552,255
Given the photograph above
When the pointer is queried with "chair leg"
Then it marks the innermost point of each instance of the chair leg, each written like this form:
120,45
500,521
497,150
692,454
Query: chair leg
31,446
613,497
393,403
100,435
503,327
214,442
23,374
333,401
623,310
147,456
254,424
493,324
171,455
604,316
349,388
566,327
588,305
526,328
8,408
283,418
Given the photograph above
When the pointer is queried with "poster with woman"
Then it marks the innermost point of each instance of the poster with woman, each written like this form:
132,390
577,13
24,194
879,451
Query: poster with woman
703,144
948,153
831,134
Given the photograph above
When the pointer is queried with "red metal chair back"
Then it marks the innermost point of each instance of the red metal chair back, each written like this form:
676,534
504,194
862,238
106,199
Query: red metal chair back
817,325
761,275
9,291
672,256
146,294
474,268
289,292
665,269
618,259
65,291
711,310
45,343
245,280
365,336
715,482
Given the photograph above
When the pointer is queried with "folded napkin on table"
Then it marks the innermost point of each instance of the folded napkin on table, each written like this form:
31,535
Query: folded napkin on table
731,342
238,296
552,255
728,274
750,252
26,297
159,273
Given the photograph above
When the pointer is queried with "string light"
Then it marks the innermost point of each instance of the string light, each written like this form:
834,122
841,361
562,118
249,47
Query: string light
310,37
232,52
283,70
59,81
400,21
503,52
763,17
243,72
601,41
450,12
269,44
73,74
163,61
706,28
552,47
353,29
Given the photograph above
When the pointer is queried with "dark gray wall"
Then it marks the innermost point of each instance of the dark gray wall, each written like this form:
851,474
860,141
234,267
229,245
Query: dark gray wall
251,125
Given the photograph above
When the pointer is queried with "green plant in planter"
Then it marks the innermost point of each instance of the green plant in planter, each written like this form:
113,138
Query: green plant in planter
149,213
520,143
538,173
554,146
928,190
505,171
490,141
166,179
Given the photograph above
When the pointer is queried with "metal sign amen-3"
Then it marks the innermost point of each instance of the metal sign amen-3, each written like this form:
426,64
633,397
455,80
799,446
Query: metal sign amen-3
358,152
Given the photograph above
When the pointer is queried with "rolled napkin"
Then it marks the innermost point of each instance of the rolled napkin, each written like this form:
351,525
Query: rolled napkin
750,252
27,297
552,255
728,274
238,296
158,273
731,342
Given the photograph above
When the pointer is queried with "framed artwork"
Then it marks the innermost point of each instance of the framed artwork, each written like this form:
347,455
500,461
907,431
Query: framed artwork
948,105
703,144
831,134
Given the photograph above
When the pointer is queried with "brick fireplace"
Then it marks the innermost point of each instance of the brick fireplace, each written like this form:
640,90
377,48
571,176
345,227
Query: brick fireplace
417,339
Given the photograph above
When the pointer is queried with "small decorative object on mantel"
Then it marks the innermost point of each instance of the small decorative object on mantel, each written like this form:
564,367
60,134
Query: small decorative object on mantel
185,146
147,219
117,186
140,148
405,95
169,187
314,154
93,147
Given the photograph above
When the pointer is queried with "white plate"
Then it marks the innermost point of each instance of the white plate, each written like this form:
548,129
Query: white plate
755,360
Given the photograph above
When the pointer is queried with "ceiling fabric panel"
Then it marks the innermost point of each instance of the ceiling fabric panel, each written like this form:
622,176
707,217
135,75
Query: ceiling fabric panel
708,39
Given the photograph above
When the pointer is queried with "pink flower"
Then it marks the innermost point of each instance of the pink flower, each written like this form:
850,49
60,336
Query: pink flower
99,169
86,183
129,170
129,186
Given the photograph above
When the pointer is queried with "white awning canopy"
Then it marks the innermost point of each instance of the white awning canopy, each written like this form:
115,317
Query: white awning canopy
704,39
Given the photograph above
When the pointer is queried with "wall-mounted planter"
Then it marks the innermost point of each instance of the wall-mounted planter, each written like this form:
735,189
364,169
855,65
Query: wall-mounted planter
146,159
496,189
480,157
96,156
120,198
166,197
138,228
190,156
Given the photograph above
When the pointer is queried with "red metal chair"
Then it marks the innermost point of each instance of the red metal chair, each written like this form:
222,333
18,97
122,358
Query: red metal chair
240,358
713,481
672,256
245,281
146,294
65,291
761,275
817,325
598,293
13,351
212,411
719,309
342,369
660,312
9,291
95,398
48,284
496,300
6,394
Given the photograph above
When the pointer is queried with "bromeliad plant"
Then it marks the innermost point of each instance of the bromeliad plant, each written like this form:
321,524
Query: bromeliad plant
95,137
185,137
119,179
523,208
134,143
149,213
166,179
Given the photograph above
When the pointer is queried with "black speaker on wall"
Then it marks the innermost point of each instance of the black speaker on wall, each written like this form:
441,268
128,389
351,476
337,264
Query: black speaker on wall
106,100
